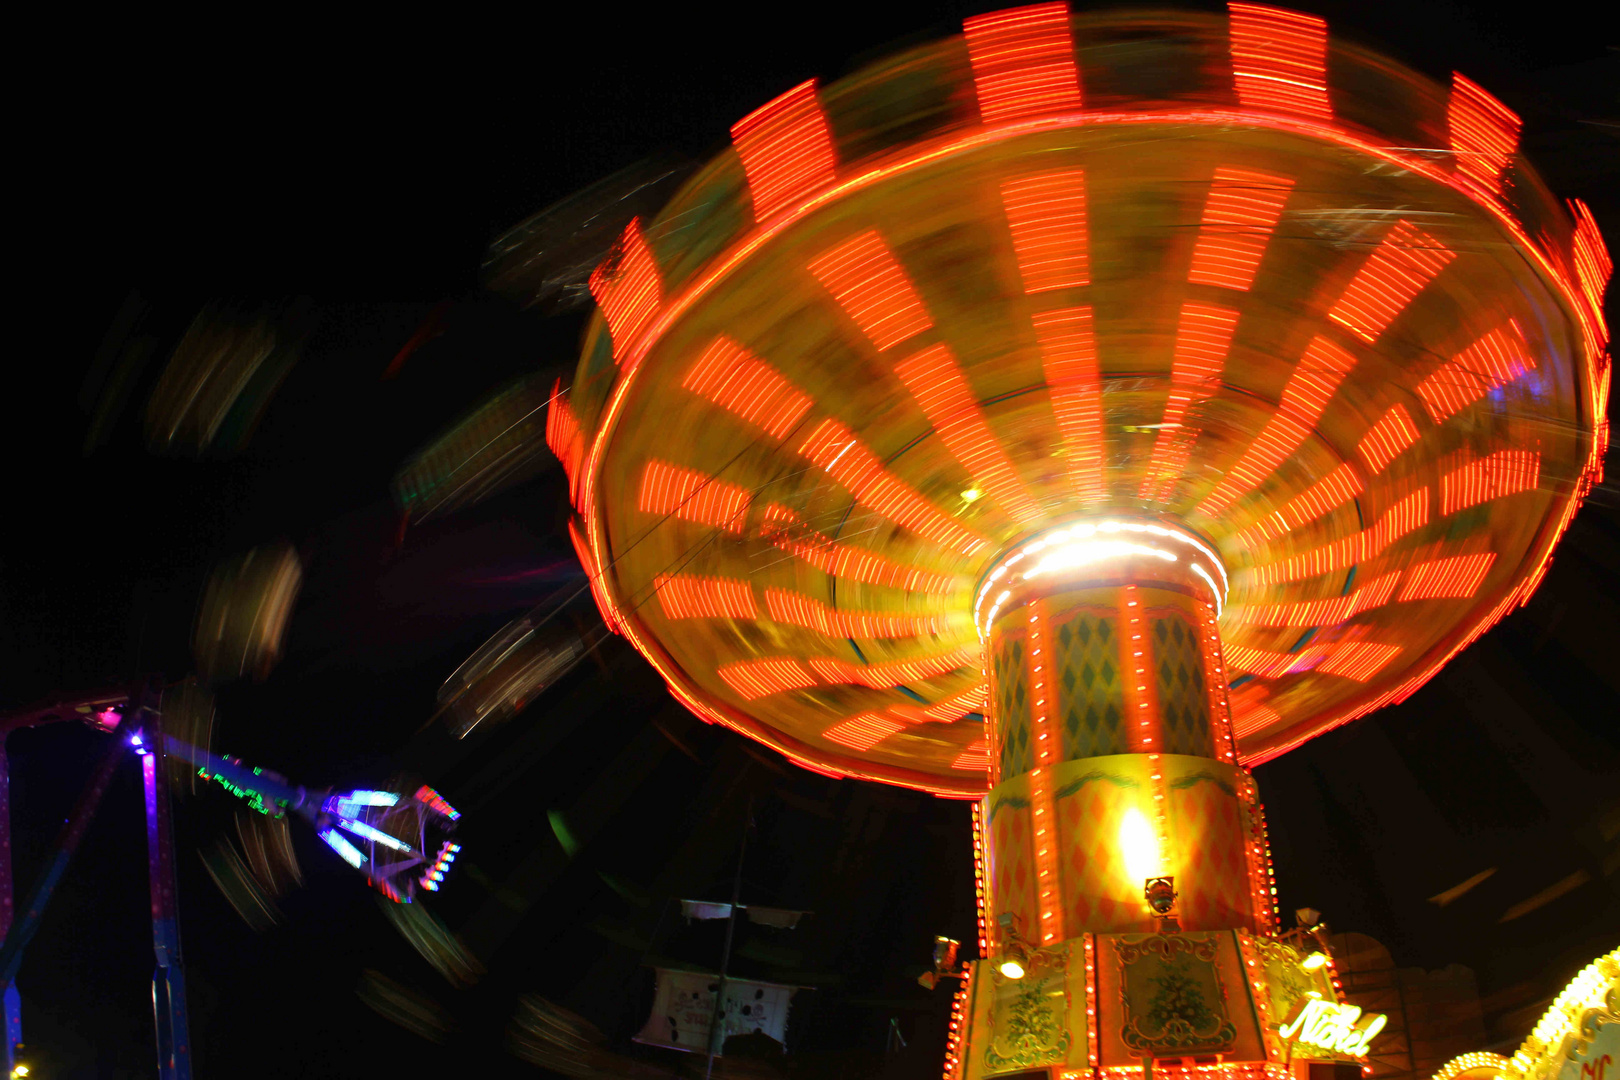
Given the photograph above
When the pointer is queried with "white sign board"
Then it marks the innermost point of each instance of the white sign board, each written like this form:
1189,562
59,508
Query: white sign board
683,1007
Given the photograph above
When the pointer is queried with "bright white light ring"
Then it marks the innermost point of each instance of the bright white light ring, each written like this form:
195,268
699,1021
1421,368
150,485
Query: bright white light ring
1085,531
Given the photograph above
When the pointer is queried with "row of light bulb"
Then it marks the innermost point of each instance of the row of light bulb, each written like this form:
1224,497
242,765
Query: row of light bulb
436,872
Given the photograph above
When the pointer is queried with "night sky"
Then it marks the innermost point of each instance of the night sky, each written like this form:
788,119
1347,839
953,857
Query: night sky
364,165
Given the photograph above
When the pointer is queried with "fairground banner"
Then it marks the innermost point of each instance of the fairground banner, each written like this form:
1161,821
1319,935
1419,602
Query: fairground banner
684,1006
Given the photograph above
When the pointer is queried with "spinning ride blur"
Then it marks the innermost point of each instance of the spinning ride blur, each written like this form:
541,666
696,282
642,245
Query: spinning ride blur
1105,404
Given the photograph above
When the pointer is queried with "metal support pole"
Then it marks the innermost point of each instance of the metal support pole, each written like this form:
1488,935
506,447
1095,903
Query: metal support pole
67,842
717,1021
12,1000
168,977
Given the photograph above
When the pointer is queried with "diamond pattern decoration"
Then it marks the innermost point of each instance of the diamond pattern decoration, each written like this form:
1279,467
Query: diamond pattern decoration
1208,828
1097,893
1012,709
1183,702
1011,855
1090,691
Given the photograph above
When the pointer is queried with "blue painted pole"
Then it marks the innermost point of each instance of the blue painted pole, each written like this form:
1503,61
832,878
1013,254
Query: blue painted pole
168,976
11,999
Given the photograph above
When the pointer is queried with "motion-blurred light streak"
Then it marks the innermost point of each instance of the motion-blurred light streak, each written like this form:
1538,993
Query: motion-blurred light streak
436,944
244,613
497,446
546,260
514,666
416,1013
220,378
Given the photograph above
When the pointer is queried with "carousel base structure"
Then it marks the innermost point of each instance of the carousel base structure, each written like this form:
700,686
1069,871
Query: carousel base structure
1124,876
1185,1003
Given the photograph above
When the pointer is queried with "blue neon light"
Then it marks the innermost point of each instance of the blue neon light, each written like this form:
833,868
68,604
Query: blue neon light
360,828
337,843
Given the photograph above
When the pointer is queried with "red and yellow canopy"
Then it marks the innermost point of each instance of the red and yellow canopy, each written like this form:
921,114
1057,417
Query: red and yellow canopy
1223,270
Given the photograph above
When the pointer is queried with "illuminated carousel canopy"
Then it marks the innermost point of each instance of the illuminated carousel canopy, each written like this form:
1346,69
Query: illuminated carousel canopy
1279,294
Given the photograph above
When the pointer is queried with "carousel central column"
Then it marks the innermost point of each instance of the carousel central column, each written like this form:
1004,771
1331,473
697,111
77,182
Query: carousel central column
1111,753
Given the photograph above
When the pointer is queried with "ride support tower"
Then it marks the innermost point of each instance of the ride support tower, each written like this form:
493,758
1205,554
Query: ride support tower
1112,761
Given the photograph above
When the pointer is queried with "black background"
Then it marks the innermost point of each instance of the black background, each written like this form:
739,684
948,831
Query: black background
365,160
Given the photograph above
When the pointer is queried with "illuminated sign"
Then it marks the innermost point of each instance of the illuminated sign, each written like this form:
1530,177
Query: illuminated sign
1341,1029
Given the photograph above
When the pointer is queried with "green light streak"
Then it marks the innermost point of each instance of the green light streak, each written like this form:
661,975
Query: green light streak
254,799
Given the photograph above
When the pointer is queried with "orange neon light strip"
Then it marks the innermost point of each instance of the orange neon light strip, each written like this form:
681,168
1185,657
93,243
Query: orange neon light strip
1136,660
978,859
1307,658
1358,660
1263,885
1252,715
1387,439
1491,362
688,596
627,288
946,711
975,757
1002,133
1315,379
1023,62
1411,685
1326,495
835,449
1592,269
1405,516
1484,134
1047,216
954,1065
786,150
564,437
869,284
788,531
754,679
695,496
1049,905
593,575
1279,60
1203,338
1239,217
1069,358
1398,269
1539,251
1256,662
936,381
1506,472
1456,578
862,732
1091,1000
797,609
1215,680
1251,969
1328,612
895,672
741,383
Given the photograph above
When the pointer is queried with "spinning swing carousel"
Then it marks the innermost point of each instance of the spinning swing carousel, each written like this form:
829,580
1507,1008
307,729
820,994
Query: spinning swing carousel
1069,416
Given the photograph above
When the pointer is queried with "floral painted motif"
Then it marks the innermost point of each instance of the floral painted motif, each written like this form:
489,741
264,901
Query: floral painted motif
1173,1000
